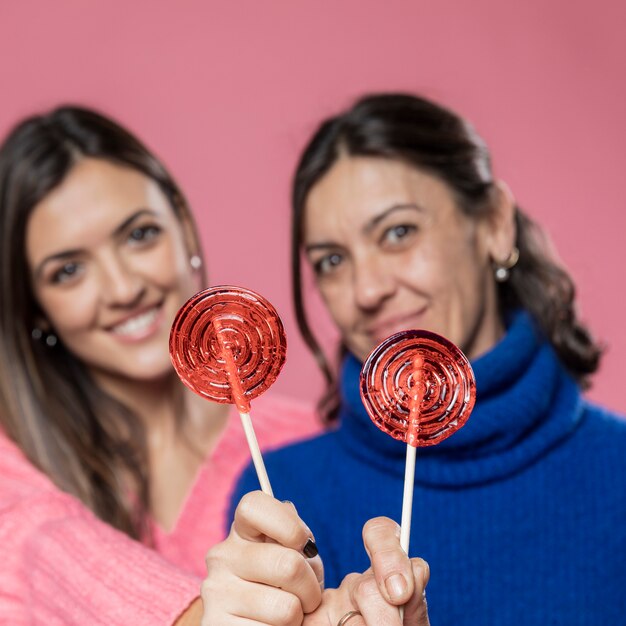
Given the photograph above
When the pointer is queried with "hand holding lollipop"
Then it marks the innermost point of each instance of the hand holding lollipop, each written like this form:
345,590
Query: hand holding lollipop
419,388
228,345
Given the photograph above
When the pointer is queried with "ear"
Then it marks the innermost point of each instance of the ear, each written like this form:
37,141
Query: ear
42,323
502,231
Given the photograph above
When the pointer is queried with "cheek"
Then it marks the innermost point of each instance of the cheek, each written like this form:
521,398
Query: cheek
452,270
167,265
470,272
461,293
425,269
336,299
70,311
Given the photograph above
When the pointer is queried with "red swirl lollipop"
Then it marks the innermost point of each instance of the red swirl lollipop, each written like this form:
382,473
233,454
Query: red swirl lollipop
228,345
418,387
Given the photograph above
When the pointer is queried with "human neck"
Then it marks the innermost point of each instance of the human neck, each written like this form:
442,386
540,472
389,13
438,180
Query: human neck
163,404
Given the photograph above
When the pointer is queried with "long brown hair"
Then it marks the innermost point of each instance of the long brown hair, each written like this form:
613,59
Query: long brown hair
87,442
427,136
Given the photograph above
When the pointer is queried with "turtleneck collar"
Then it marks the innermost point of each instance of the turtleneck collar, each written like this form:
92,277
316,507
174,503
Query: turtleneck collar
525,405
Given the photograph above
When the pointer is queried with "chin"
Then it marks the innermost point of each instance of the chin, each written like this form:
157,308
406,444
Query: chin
146,377
140,372
153,370
360,350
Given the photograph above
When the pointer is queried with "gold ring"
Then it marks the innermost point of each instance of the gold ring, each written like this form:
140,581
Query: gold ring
349,615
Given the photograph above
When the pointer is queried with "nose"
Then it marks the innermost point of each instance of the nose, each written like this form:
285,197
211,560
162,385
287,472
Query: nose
121,286
373,282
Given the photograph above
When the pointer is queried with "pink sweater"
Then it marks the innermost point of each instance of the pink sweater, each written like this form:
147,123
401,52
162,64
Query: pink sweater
62,566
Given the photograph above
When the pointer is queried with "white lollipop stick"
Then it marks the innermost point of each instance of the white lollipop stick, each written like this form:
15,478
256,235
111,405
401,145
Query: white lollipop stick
255,451
407,503
407,499
242,404
411,454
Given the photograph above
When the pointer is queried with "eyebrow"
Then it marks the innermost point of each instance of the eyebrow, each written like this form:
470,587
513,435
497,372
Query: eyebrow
65,254
369,226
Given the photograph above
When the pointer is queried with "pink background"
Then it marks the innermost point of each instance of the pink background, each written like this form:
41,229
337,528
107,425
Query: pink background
227,92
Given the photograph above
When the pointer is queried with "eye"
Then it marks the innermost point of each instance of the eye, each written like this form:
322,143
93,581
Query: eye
327,264
67,272
397,234
143,234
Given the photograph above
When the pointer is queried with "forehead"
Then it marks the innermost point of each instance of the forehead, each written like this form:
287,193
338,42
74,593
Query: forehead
357,189
92,200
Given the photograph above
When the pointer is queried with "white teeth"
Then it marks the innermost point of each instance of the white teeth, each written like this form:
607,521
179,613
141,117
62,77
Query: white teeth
136,324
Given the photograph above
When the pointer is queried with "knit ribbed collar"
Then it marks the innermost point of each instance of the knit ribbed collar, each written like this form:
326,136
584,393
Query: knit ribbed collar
526,404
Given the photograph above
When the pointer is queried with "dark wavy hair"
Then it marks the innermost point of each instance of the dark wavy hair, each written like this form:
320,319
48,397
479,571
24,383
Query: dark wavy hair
427,136
86,441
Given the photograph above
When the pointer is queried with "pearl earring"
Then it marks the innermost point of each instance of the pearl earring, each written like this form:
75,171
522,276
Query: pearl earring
502,271
196,262
502,274
51,339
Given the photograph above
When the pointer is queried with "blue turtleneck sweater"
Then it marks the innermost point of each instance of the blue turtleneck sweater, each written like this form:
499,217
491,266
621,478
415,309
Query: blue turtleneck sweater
521,514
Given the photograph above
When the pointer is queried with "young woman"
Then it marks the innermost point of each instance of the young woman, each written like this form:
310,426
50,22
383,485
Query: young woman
100,443
397,212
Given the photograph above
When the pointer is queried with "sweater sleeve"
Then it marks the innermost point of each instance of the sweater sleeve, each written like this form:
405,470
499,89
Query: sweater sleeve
63,566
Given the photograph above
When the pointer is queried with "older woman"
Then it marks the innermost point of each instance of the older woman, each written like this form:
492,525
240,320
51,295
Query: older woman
521,514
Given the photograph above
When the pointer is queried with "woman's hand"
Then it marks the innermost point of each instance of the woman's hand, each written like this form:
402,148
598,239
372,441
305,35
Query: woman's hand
375,595
260,574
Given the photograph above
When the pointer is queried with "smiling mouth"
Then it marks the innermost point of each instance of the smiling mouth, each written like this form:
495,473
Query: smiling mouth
394,325
139,325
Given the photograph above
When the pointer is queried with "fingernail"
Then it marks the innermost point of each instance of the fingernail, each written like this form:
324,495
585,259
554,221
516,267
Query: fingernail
310,549
396,586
